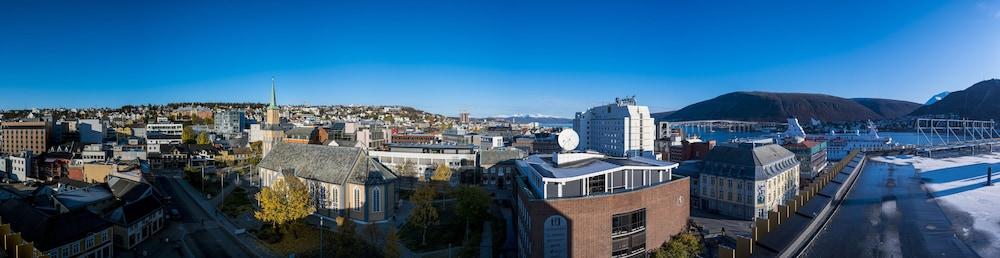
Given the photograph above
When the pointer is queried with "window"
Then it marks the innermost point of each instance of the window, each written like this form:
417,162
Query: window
628,233
376,199
90,242
334,198
76,248
357,199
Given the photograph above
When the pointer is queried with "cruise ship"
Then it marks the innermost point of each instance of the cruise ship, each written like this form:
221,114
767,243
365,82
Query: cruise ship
838,145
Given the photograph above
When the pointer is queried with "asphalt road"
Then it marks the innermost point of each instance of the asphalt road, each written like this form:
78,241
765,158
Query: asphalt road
888,214
202,236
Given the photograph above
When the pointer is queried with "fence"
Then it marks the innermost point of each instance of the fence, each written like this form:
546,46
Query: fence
761,227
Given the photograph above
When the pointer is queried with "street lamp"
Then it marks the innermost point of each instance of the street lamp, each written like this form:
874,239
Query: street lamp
321,236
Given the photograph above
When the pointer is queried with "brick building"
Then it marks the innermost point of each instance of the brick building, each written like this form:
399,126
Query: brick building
35,136
591,205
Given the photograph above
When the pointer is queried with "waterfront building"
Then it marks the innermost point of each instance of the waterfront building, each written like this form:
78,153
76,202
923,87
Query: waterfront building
747,179
343,181
812,157
690,149
594,205
620,129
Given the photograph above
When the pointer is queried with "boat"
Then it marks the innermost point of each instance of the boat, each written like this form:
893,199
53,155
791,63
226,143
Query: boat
838,145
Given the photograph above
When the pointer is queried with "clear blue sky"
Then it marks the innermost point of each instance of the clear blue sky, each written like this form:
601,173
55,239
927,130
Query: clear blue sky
505,57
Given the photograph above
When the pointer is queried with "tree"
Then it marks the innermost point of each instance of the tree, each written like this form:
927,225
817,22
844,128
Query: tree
683,245
392,243
424,213
285,201
407,170
187,135
442,173
256,149
471,205
203,138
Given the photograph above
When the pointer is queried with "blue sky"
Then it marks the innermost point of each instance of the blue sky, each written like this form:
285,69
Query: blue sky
487,57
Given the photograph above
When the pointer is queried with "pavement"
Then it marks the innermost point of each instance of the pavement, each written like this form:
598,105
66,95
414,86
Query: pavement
888,213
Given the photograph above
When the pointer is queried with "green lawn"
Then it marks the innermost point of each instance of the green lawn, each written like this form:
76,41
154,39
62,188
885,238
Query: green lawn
304,241
236,203
449,230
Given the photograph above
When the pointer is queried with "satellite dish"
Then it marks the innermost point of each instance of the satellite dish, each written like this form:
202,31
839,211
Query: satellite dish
568,139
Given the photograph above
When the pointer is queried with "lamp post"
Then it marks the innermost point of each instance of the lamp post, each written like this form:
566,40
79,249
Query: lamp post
321,229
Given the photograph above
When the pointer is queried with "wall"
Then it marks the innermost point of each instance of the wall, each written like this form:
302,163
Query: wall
589,218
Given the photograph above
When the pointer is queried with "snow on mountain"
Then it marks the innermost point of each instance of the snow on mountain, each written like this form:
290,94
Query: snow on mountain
936,98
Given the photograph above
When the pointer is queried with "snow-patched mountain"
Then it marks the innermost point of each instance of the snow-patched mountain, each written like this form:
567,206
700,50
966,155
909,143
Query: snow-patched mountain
936,98
531,118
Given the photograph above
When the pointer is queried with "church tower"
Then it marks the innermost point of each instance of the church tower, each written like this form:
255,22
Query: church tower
271,130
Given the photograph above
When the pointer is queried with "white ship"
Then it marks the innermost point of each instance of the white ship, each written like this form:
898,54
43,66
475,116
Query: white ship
838,145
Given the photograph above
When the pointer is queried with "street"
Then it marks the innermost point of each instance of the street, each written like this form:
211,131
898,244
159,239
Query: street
200,231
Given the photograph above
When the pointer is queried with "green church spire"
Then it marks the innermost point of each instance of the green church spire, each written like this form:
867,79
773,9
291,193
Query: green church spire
274,100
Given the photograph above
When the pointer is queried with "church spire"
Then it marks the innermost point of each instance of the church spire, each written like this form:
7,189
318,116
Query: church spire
274,100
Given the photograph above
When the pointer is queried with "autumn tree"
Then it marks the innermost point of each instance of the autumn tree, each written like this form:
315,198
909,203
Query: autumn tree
285,201
683,245
471,204
256,152
424,213
442,174
203,138
188,135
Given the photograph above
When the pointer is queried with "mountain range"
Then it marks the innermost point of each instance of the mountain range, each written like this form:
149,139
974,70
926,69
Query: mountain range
980,101
776,107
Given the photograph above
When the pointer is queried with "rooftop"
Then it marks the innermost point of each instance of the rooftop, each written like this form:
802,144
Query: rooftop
580,164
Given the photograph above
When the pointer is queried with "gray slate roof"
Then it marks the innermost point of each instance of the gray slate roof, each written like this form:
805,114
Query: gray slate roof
330,164
740,160
490,157
301,132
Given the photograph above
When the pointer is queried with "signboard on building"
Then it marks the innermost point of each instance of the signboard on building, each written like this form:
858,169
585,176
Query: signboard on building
556,236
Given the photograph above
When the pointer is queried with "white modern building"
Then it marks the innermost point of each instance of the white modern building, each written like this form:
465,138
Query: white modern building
620,129
168,129
427,157
230,123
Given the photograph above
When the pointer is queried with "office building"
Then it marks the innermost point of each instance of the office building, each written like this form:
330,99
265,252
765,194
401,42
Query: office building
811,156
165,129
594,205
425,158
230,123
92,130
745,180
620,129
33,136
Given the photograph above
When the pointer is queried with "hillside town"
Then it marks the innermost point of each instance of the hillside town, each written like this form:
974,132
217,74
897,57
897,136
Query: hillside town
270,180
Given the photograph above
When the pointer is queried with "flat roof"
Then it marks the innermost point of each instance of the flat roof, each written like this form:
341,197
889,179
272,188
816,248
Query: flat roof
547,167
